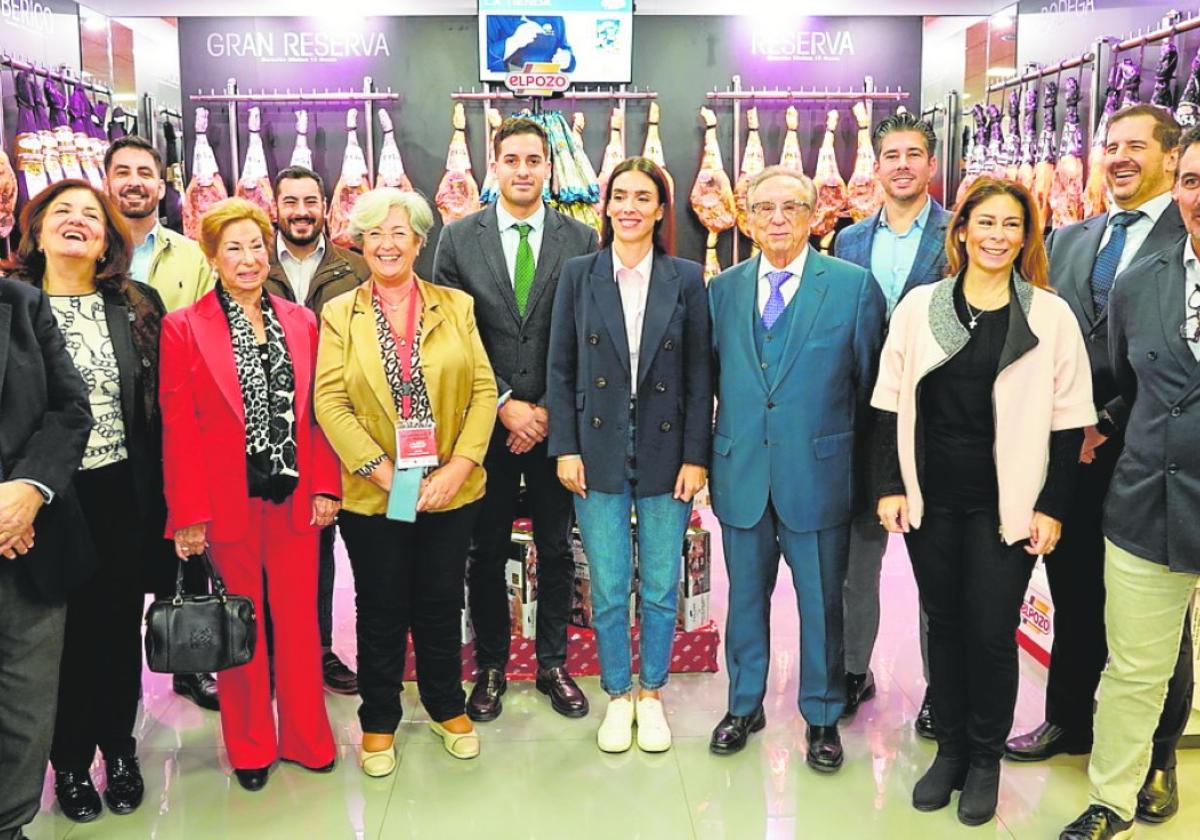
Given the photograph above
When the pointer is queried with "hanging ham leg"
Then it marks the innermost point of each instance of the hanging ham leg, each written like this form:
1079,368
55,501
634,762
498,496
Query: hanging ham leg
457,194
1066,196
614,153
712,195
790,156
31,163
391,168
489,192
64,137
654,148
255,183
1028,140
80,111
712,263
1011,150
301,153
865,193
753,162
352,183
1095,191
52,161
1164,76
206,187
8,193
831,189
1043,170
1187,113
975,159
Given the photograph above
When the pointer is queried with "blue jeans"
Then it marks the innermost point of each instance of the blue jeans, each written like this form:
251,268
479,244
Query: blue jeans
604,526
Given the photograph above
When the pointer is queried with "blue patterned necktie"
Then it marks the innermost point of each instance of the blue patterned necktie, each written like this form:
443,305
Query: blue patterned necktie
775,303
1105,269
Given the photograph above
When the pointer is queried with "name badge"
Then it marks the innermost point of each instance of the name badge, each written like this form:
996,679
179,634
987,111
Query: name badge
416,446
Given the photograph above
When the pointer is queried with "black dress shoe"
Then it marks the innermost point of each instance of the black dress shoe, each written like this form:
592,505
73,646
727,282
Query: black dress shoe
924,723
733,730
824,749
981,789
1097,823
125,787
484,703
565,696
1158,800
932,791
252,779
859,689
324,768
77,795
201,689
1046,741
338,677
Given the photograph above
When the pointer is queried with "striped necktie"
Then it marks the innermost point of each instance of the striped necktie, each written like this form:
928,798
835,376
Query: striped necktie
1105,269
524,269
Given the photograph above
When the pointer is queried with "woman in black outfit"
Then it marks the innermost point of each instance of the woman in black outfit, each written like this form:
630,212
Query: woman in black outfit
76,248
983,390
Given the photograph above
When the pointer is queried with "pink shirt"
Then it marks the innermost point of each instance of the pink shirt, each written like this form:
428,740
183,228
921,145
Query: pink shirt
1047,389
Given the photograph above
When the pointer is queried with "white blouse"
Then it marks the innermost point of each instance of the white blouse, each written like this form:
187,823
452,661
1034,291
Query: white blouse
84,328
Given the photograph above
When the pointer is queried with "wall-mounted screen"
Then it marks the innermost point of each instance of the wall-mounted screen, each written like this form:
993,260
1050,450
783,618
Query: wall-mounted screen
590,40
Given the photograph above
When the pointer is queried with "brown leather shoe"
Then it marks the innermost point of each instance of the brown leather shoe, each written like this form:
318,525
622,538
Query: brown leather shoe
484,703
566,697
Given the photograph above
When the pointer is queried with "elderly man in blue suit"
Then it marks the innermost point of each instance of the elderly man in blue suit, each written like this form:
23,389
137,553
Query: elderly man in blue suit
903,246
796,340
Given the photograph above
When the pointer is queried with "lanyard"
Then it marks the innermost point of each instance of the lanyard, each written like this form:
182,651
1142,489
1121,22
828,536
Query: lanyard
404,349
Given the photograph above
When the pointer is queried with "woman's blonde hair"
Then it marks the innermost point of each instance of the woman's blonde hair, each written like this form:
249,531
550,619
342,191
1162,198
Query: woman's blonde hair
226,212
372,208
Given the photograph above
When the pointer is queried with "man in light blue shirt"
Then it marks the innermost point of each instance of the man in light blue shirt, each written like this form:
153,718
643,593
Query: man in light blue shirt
903,246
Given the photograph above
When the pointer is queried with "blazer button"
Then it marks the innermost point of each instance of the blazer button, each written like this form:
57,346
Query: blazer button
1172,468
1152,355
524,339
669,344
601,382
665,426
597,422
593,339
661,387
145,363
1176,411
770,405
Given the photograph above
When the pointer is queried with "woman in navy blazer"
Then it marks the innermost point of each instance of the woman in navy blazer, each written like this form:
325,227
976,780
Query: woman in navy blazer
629,391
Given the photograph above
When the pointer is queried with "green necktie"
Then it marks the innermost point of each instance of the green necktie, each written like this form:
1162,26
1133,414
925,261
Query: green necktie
524,269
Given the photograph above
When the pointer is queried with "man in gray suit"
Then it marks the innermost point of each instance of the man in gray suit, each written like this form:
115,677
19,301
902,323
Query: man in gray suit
1087,260
1152,538
507,257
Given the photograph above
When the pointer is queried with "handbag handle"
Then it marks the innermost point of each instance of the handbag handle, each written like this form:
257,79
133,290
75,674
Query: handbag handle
218,584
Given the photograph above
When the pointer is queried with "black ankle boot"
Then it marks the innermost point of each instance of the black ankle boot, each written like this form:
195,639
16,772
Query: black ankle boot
933,789
981,788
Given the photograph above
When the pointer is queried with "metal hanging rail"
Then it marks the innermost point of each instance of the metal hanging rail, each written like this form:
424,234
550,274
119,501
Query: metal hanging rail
887,95
1042,72
1157,35
488,95
28,67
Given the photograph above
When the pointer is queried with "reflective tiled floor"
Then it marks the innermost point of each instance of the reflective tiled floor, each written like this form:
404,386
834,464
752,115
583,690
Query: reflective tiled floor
541,776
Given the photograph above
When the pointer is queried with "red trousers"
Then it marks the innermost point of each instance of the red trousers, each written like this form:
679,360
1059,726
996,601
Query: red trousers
289,561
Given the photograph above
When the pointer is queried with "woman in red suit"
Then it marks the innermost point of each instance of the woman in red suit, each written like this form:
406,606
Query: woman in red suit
249,475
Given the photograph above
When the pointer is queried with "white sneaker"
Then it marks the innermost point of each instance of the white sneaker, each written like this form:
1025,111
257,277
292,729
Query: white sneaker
616,732
653,734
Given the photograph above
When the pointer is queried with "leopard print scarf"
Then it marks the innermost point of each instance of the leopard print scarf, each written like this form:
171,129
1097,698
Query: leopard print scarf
269,405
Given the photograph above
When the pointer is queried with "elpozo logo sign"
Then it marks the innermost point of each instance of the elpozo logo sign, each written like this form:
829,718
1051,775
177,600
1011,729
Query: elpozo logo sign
537,79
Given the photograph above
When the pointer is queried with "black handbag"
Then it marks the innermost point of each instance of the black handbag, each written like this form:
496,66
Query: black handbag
191,634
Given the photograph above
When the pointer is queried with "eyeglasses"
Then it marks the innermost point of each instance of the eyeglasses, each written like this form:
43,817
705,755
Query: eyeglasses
1192,333
378,237
764,211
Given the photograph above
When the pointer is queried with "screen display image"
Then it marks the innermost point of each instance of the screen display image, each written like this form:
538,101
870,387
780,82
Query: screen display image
590,40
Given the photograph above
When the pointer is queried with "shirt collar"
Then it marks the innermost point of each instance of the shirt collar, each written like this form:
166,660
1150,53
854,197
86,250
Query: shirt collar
642,268
918,223
507,220
796,266
1190,260
1152,208
281,250
151,237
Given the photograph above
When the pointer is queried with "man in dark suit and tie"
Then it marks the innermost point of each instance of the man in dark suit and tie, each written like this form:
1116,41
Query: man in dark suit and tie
1151,530
1087,261
796,338
507,257
44,425
903,246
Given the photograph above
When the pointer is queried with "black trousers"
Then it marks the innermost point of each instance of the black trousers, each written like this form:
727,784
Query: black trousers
325,580
971,586
100,681
409,576
1076,575
552,512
